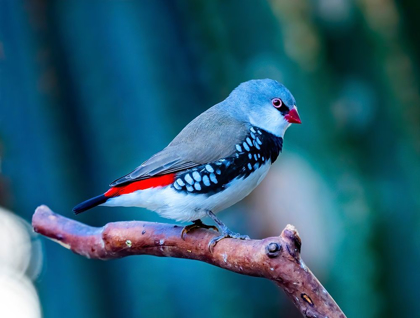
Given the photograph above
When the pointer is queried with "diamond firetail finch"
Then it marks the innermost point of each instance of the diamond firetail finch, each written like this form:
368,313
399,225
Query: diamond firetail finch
214,162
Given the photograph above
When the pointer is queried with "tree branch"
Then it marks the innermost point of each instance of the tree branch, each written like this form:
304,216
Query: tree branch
274,258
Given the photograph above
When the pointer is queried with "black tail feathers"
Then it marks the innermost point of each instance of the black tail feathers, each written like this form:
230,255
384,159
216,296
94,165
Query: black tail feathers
91,203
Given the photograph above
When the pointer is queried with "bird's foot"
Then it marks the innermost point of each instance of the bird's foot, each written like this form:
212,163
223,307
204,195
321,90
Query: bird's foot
226,233
196,225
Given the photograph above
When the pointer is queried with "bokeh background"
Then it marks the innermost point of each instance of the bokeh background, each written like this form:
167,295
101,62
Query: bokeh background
90,89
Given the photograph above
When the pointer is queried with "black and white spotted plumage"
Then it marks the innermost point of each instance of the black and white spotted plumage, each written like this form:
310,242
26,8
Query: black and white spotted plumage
254,151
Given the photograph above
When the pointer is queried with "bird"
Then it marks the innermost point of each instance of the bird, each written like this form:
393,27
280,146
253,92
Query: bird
213,163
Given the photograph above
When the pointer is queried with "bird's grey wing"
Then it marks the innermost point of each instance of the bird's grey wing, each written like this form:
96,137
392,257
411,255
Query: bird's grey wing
209,137
164,162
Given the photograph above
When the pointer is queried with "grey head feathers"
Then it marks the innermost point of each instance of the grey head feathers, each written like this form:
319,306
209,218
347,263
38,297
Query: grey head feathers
251,102
256,92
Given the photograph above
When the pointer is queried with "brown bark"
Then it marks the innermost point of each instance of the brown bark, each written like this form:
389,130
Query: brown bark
274,258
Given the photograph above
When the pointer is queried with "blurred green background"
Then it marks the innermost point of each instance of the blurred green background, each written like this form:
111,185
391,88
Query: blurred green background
90,89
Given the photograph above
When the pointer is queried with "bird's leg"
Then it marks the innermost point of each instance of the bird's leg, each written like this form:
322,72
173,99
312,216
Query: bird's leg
197,224
224,230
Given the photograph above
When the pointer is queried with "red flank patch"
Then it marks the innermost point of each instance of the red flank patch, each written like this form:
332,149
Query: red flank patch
153,182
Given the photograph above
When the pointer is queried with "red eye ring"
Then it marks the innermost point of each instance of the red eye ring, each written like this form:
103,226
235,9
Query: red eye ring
277,102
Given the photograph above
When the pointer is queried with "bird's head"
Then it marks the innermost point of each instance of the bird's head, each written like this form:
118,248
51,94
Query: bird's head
266,104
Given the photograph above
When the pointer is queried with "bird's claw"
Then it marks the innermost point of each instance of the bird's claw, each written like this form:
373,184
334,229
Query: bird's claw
227,234
196,225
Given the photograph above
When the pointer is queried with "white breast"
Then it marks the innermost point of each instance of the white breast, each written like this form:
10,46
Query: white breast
179,206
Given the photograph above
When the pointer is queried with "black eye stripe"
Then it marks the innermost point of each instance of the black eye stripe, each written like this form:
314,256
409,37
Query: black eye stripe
284,109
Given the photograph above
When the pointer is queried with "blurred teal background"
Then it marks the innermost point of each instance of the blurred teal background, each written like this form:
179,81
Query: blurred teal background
90,89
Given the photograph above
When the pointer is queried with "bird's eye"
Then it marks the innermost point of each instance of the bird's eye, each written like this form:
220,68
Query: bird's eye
277,102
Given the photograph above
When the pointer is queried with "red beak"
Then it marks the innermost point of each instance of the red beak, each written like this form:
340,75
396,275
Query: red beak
293,116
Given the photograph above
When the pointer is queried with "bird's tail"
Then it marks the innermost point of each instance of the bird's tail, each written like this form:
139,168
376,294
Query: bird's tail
125,188
91,203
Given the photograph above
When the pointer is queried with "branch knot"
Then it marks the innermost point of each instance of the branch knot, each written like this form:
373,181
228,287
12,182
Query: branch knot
273,249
